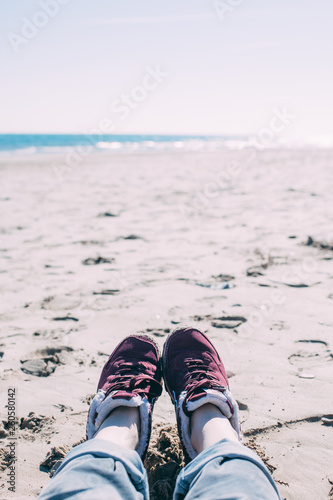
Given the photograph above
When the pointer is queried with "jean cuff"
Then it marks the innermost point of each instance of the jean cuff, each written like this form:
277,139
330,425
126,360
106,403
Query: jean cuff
224,449
105,449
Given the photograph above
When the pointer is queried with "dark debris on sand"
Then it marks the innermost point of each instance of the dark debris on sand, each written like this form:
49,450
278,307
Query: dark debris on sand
223,277
35,423
108,214
94,261
53,459
253,445
5,459
163,462
55,456
129,237
322,245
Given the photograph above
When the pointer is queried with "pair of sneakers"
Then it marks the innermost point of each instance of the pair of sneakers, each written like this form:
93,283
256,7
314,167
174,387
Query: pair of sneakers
193,375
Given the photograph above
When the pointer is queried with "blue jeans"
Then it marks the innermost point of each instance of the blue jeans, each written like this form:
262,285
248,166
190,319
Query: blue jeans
99,470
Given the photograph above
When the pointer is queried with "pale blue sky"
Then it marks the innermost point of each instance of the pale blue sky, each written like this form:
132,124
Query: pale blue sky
225,76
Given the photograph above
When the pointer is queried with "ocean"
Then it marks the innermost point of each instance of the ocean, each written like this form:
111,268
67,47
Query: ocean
54,143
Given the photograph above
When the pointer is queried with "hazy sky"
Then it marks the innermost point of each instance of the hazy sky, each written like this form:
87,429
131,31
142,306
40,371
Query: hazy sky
227,70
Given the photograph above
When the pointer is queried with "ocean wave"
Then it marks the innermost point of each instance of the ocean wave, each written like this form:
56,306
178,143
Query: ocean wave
48,144
20,151
109,145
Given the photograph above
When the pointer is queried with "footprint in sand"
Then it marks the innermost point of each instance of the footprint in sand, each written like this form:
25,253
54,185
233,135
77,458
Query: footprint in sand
47,361
107,292
229,322
71,308
60,303
157,332
313,353
291,442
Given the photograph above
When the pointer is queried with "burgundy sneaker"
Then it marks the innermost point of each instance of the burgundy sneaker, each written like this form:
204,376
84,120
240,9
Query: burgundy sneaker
193,376
130,377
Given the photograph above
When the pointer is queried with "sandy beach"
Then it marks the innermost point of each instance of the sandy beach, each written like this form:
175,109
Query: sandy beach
236,243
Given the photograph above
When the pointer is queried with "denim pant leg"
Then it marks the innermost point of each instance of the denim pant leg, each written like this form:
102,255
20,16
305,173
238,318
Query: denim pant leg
99,470
226,471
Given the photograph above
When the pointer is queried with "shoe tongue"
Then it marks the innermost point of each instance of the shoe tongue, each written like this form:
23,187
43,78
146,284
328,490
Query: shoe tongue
192,397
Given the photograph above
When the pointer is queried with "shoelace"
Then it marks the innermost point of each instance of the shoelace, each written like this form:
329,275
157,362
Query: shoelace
200,376
131,378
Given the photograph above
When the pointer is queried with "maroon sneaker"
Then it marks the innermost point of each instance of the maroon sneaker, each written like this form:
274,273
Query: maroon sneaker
193,376
130,377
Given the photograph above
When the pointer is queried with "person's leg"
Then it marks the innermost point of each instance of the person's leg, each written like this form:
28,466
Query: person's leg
121,427
208,426
224,469
109,464
219,466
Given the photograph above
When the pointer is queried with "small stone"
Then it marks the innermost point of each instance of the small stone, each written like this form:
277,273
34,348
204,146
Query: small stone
306,375
107,214
91,261
38,367
242,406
229,324
327,421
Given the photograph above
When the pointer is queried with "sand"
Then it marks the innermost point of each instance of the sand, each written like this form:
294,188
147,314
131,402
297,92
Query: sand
151,242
